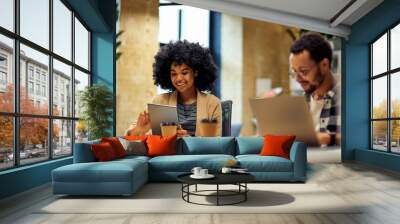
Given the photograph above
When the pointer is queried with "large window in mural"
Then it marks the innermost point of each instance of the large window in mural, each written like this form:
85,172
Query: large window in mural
385,92
180,22
44,63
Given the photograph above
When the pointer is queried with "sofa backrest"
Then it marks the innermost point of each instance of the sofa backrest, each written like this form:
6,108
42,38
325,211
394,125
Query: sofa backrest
249,145
190,146
83,152
206,145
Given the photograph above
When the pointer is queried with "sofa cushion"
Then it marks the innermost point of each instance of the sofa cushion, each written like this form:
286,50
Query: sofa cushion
112,171
133,158
135,137
207,145
134,147
161,146
185,163
116,145
83,152
103,152
275,145
257,163
249,145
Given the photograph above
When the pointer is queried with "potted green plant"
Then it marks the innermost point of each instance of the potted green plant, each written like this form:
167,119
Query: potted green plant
96,102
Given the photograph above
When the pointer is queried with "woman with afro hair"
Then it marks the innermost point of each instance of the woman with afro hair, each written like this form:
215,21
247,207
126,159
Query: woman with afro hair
188,71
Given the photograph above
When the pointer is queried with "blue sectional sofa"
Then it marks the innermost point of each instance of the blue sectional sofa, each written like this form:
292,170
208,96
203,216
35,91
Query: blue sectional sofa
125,176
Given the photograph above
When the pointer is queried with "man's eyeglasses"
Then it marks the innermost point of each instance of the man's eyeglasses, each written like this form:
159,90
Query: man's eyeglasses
302,73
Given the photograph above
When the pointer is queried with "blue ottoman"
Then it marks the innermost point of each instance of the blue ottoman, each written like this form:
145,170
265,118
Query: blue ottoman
118,177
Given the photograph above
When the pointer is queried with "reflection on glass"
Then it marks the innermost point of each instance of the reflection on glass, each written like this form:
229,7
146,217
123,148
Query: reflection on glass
379,97
395,47
35,21
395,138
62,29
379,135
33,139
169,24
34,94
379,55
62,89
81,131
62,138
6,142
6,74
7,14
195,25
81,81
81,45
395,95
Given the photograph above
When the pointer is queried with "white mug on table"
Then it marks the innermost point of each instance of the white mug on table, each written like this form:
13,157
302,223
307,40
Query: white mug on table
196,170
203,172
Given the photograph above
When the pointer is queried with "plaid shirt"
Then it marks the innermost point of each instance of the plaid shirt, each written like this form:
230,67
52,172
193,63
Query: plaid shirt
329,120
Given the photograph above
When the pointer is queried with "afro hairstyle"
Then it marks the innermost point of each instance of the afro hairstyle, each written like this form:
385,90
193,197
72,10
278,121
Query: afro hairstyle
198,58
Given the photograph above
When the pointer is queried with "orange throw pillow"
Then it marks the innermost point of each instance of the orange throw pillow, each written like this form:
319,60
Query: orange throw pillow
136,137
161,146
103,152
277,145
116,145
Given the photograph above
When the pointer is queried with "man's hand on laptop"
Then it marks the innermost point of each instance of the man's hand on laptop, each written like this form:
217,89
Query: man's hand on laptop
323,138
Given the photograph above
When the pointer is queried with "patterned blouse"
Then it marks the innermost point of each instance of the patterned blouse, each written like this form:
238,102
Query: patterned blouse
187,117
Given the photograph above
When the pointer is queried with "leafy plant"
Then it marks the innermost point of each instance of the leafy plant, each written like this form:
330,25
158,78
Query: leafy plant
96,102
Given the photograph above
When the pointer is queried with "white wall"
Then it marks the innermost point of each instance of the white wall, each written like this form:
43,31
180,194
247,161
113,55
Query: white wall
232,63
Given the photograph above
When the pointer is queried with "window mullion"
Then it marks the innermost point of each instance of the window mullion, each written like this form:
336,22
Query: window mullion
180,24
50,81
371,98
16,83
73,82
389,94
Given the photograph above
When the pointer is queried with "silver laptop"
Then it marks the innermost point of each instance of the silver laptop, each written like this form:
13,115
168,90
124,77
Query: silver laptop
161,113
284,115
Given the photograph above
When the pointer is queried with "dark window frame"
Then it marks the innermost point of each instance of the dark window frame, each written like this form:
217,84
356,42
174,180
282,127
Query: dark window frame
388,74
16,115
179,19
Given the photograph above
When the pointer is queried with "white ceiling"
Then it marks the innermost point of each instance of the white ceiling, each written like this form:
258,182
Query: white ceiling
321,9
316,15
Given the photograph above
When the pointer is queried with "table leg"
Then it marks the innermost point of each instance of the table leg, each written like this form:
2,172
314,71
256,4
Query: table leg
245,193
217,194
188,190
182,189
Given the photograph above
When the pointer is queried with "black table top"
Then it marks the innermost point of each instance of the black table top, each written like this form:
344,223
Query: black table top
220,178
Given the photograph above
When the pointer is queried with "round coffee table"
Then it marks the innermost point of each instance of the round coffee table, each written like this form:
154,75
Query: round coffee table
238,179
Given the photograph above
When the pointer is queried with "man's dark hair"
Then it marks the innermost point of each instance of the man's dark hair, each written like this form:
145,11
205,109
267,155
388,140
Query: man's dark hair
193,55
315,44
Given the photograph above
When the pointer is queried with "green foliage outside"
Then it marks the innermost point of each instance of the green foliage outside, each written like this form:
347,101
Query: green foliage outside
380,127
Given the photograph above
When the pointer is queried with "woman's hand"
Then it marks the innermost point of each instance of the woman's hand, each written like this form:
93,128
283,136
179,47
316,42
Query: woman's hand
142,125
181,132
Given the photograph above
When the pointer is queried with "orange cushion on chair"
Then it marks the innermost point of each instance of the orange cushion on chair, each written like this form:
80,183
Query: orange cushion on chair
103,152
116,145
277,145
161,146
